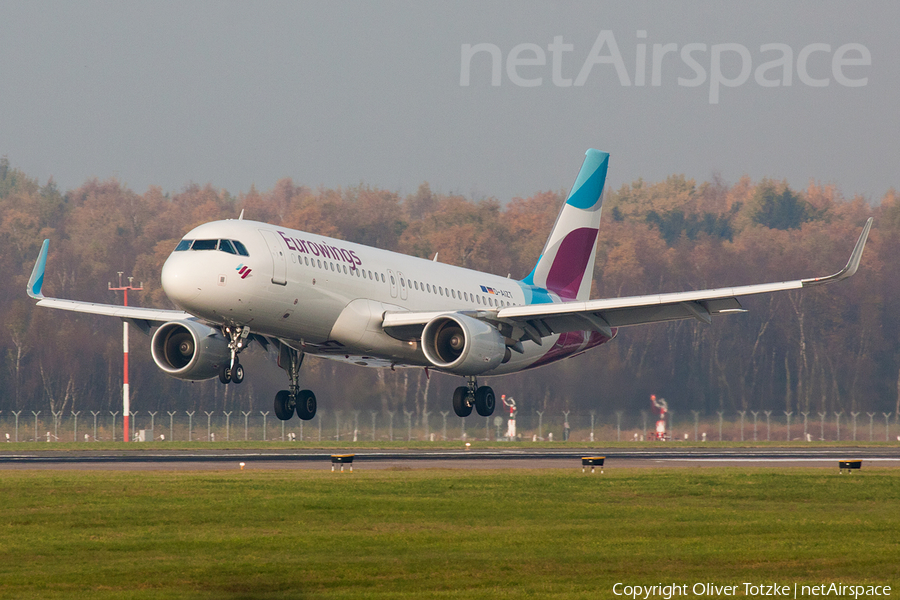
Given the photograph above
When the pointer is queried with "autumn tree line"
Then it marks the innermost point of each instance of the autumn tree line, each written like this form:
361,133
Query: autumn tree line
827,349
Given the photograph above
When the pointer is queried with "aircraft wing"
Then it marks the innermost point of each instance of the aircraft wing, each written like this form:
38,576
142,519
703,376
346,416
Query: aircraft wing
141,317
540,320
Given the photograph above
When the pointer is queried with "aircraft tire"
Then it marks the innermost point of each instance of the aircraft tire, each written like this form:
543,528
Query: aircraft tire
306,405
460,405
283,408
485,401
237,373
224,374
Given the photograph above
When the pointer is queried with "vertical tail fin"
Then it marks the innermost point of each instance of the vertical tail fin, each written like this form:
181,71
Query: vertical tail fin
566,266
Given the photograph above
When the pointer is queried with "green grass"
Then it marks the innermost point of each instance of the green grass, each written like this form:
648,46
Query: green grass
438,532
21,447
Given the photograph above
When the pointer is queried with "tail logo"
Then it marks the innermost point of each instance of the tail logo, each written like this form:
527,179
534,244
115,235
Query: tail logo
565,266
243,270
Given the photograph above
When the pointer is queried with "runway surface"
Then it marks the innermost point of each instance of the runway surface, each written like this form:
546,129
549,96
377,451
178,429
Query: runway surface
569,458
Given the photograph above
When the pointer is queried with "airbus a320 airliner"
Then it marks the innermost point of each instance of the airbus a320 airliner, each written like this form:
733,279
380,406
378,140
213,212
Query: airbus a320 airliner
240,281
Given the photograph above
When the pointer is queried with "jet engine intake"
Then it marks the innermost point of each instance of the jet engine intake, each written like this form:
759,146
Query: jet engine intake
189,350
462,345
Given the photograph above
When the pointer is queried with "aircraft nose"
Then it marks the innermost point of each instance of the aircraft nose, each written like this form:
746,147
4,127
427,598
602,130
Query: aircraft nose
179,281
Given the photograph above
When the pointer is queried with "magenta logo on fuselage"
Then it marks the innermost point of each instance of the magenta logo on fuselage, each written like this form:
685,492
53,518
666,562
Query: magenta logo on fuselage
243,270
321,249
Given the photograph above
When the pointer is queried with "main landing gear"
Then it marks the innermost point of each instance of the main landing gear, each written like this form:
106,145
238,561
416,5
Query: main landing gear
294,399
232,371
466,396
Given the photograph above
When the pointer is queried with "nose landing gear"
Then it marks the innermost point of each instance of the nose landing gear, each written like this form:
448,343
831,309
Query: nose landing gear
232,371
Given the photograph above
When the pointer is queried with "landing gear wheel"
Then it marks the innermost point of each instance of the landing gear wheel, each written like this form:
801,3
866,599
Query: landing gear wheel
224,374
484,401
284,406
461,405
306,405
237,373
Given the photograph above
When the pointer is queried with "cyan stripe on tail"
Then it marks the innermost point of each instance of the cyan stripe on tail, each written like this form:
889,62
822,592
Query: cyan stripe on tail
566,265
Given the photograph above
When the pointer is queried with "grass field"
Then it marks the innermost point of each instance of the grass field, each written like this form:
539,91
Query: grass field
440,533
21,447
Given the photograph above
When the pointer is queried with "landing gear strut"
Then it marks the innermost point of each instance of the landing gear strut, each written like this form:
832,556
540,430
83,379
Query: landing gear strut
467,396
294,399
232,371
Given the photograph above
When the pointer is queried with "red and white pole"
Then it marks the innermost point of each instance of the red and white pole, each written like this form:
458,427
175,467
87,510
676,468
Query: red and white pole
126,396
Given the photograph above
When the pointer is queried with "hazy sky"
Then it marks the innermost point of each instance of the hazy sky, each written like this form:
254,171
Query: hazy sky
337,93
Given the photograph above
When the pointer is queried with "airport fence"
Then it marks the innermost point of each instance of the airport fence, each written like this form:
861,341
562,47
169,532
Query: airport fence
401,425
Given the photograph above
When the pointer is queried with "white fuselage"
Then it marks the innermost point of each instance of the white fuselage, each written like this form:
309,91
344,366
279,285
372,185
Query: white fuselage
328,297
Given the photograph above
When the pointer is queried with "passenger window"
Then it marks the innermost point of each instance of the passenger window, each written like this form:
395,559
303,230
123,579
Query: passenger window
454,294
241,249
345,269
205,244
428,287
226,246
441,290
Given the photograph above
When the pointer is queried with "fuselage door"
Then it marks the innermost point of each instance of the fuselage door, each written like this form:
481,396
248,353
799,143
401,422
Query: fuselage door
404,293
279,260
392,279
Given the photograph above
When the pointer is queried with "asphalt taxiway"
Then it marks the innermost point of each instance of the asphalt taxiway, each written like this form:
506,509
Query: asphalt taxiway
136,460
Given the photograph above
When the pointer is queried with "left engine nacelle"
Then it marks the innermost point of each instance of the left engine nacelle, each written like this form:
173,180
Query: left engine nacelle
463,345
189,350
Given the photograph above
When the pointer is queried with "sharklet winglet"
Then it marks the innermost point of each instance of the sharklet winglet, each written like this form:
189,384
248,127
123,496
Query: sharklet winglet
36,281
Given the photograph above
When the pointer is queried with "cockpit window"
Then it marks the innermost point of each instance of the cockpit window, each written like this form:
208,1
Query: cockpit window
229,246
205,244
242,250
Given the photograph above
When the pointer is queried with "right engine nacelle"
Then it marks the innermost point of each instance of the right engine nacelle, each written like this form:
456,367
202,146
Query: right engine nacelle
189,350
462,345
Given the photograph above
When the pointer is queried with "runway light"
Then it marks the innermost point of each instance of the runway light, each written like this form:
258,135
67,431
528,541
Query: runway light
468,445
242,466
